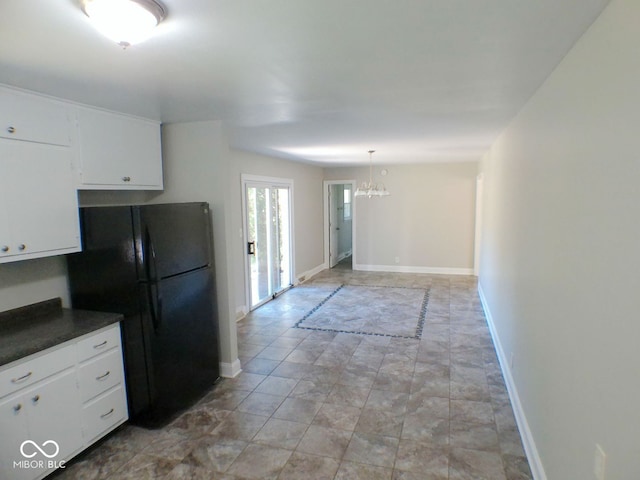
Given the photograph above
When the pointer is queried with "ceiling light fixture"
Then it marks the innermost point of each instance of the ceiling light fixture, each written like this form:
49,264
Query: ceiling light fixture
126,22
371,189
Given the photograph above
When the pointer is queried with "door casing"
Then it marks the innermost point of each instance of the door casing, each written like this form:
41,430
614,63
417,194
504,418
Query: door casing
327,227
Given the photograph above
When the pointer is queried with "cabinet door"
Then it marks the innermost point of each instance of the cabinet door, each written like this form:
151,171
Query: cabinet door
33,118
52,414
41,201
117,151
6,240
13,431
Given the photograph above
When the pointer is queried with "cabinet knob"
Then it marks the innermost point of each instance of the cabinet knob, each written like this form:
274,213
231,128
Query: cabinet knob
17,408
22,247
36,399
4,249
11,129
126,179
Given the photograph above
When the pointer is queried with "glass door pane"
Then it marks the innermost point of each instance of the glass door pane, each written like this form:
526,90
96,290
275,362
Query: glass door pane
258,221
281,243
269,241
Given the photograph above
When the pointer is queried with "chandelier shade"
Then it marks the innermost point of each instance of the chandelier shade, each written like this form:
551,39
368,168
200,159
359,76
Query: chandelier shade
371,189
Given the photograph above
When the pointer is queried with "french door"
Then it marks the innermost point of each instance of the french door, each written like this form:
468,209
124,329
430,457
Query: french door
267,213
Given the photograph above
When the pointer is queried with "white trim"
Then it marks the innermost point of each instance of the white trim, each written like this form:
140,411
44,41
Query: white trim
525,432
310,273
343,255
230,370
410,269
241,312
325,200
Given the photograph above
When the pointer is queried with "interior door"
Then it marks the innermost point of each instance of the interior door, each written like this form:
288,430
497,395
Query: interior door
334,224
268,240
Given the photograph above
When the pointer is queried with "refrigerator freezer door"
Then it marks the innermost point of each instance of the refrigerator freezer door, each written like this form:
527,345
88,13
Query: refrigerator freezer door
182,342
172,238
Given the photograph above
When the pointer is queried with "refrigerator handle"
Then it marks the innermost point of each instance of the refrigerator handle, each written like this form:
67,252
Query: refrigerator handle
155,302
153,306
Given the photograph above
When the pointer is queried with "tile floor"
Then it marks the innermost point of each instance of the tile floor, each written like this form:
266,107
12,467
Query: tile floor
324,405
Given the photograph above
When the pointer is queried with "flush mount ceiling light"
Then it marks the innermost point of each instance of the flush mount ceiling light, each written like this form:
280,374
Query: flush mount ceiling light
371,189
126,22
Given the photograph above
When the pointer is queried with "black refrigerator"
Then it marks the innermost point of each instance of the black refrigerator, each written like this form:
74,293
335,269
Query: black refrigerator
153,264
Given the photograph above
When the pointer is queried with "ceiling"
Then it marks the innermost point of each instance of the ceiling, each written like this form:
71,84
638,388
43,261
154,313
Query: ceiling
313,80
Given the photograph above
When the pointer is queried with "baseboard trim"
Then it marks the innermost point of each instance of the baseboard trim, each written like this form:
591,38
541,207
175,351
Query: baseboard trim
409,269
304,276
230,370
241,312
529,444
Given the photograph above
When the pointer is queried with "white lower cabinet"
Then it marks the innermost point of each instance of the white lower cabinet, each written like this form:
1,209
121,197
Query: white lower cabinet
56,403
101,384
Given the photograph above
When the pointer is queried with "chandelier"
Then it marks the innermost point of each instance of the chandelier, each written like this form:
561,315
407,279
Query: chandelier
371,189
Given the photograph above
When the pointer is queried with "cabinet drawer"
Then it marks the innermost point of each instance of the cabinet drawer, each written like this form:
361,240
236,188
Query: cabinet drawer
99,343
100,374
33,118
35,369
104,413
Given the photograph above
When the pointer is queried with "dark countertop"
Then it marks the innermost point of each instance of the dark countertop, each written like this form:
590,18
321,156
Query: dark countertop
31,329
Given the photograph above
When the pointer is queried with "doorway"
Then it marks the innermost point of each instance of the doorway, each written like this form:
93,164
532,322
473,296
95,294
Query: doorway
268,230
339,222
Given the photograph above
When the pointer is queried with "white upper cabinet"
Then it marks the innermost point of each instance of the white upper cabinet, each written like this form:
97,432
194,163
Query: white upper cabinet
38,201
34,119
49,149
118,152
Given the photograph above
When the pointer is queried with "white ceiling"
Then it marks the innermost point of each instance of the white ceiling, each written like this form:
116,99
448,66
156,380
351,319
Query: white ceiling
316,80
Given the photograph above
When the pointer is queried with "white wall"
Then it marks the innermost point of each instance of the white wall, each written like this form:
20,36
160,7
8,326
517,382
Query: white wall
560,253
307,210
30,281
196,168
427,221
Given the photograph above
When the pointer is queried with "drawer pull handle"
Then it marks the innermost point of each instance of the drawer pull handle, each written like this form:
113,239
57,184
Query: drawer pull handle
22,378
103,376
36,399
100,345
17,408
105,415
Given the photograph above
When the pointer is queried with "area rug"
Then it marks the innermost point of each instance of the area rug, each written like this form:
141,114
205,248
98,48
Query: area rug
368,310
